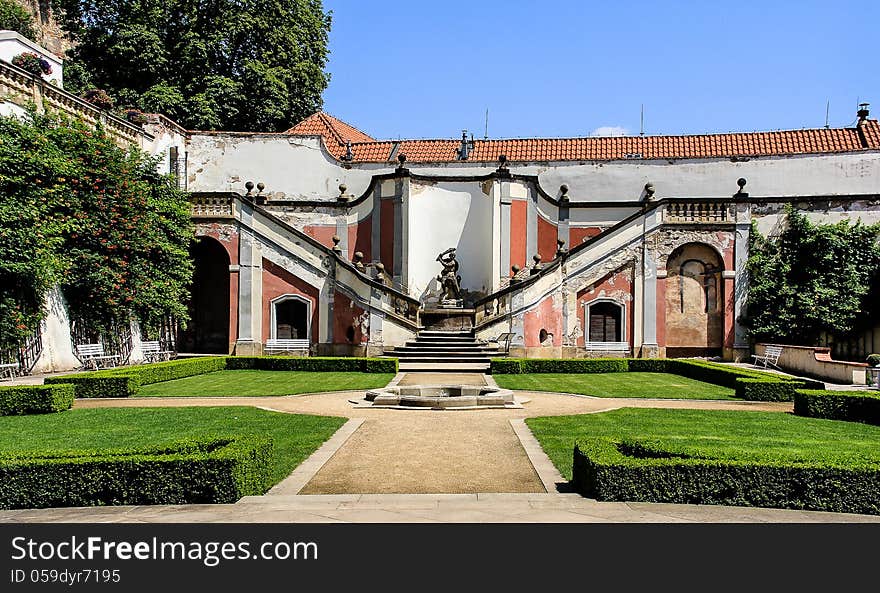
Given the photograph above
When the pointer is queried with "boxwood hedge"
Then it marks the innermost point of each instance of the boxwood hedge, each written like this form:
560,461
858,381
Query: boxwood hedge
18,400
125,381
217,470
854,406
618,470
749,384
313,363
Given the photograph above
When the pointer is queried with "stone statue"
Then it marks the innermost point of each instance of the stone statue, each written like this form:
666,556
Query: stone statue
449,278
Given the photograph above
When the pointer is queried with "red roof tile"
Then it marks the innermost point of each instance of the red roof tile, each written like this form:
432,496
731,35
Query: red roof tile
364,149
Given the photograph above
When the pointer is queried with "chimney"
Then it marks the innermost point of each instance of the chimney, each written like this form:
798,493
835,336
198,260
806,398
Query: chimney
863,112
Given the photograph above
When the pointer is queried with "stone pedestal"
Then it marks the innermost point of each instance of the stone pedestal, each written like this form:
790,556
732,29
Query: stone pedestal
447,319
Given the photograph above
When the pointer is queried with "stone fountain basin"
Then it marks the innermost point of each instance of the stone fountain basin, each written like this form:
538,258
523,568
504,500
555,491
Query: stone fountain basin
442,396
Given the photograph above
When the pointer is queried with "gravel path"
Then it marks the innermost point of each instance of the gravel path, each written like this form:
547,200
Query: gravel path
427,451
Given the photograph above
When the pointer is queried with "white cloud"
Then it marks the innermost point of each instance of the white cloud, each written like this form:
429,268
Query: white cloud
610,131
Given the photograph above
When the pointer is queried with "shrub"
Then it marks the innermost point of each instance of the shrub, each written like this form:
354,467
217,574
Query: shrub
136,116
648,365
33,63
219,470
99,384
99,98
506,366
574,365
853,406
35,399
766,390
313,363
610,470
125,382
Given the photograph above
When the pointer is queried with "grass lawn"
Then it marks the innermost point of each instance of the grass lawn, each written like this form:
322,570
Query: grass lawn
641,385
255,383
294,436
729,435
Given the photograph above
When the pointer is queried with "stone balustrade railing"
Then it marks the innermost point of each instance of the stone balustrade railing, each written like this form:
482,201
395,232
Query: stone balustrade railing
212,207
698,212
22,88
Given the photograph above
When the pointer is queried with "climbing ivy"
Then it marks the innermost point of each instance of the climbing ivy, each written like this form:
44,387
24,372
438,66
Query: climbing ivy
812,278
80,212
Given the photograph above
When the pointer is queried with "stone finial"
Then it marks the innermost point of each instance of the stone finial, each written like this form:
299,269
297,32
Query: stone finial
249,186
343,196
401,158
741,182
380,273
401,167
560,247
336,248
358,261
649,191
260,187
513,278
563,193
536,267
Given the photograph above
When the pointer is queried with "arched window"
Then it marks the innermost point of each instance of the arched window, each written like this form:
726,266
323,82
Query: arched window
291,317
604,322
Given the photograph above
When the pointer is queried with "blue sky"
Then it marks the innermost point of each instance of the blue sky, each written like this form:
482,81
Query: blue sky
428,69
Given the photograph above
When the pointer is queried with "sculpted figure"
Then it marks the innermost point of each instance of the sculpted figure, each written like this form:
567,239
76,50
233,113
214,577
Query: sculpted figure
449,278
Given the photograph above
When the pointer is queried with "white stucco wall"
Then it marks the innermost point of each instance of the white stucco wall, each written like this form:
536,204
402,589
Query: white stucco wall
455,214
12,44
299,168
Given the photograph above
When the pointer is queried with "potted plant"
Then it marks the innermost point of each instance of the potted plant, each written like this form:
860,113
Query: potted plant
33,63
873,361
99,98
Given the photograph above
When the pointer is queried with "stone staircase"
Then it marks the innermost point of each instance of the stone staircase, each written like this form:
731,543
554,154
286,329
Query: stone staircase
454,351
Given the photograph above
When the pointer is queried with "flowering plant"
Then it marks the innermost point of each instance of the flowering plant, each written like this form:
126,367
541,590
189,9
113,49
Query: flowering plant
33,63
99,98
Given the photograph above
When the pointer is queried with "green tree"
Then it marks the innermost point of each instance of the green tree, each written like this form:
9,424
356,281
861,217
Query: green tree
246,65
80,212
813,278
14,17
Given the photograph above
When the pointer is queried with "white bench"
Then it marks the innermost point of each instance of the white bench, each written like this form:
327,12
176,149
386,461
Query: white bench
770,357
8,370
607,346
274,345
153,351
93,357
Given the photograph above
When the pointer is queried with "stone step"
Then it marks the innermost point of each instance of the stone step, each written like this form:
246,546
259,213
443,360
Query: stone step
443,367
444,348
446,334
442,359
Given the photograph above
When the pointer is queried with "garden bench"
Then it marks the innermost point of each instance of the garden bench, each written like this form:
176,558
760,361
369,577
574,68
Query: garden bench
93,357
8,370
287,345
770,357
153,351
607,346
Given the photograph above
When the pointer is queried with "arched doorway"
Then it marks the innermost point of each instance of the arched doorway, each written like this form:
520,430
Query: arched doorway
291,317
604,322
694,302
208,329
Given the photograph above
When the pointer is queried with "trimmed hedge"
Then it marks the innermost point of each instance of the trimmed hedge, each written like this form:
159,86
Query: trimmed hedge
617,470
99,384
853,406
748,384
313,363
220,470
18,400
125,381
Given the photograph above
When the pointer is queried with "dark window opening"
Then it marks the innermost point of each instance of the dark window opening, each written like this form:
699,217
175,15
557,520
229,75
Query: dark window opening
605,323
291,319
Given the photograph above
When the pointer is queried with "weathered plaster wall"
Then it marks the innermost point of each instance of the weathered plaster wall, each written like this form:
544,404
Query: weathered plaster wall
547,316
771,217
349,316
444,215
278,282
616,287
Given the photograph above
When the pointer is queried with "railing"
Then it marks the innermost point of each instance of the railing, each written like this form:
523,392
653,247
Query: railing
21,87
697,212
117,340
212,207
26,354
492,308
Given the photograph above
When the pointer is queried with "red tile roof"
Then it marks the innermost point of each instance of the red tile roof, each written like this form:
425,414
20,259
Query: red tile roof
364,149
